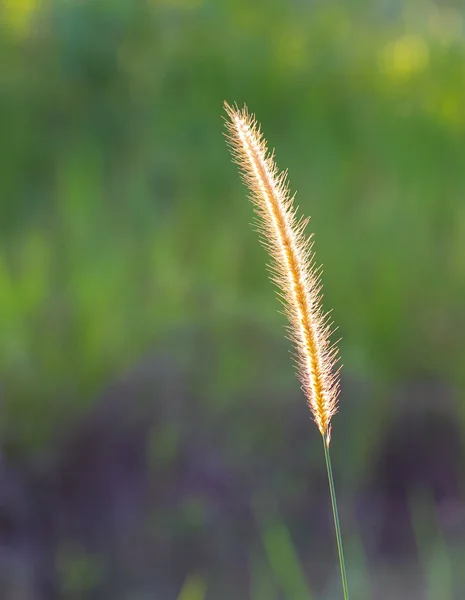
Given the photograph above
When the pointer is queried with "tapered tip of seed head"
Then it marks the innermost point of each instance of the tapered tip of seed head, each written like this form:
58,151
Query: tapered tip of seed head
240,118
233,110
227,107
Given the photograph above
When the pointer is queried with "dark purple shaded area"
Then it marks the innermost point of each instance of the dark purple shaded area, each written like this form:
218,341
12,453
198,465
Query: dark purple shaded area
153,484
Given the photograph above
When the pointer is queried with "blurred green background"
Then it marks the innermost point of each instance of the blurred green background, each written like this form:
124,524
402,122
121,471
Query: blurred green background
135,303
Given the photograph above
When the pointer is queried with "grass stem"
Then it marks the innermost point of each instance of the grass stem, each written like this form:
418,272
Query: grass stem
337,526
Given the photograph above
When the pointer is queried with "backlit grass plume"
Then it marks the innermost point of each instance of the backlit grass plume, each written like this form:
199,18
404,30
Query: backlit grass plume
293,268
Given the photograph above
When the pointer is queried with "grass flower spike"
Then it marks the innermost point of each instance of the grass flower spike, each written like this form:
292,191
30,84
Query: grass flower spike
293,269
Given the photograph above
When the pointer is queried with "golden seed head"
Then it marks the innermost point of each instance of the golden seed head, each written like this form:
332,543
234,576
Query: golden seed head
293,268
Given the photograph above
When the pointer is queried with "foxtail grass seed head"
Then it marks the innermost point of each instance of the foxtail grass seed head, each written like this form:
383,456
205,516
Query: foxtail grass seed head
293,265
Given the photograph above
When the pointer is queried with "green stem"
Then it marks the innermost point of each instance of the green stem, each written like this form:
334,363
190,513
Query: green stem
337,527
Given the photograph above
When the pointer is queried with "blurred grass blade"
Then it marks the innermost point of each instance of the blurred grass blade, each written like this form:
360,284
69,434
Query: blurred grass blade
262,585
284,561
194,588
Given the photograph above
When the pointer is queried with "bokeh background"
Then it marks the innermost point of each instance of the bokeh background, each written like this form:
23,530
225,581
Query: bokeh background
154,440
